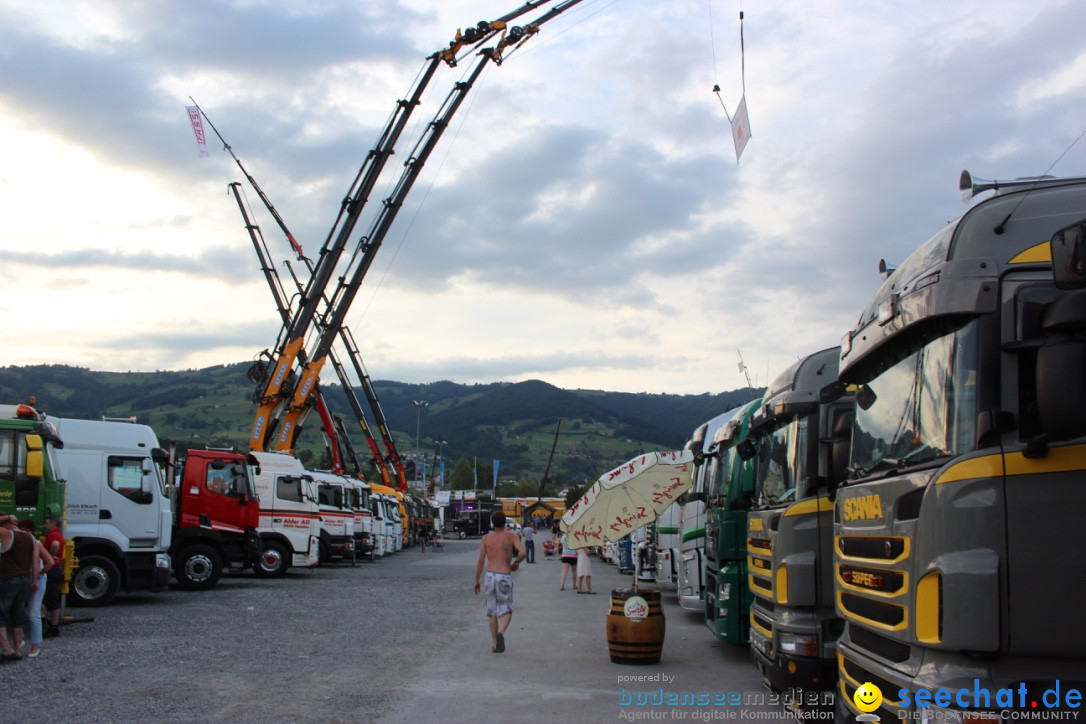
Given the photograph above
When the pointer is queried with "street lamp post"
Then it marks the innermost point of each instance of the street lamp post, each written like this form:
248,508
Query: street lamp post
419,404
441,442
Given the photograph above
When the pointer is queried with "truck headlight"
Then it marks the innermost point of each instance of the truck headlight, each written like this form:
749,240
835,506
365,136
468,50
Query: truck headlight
799,645
162,560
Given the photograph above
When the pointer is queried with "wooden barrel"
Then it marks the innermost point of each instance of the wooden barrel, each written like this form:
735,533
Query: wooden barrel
635,626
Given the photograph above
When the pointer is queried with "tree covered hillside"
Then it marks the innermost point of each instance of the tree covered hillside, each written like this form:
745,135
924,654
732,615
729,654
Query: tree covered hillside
511,422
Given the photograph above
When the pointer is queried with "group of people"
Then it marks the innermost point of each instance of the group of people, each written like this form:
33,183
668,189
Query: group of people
31,574
577,565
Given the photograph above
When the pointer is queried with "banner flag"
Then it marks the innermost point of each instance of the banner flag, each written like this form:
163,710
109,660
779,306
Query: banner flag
198,129
740,128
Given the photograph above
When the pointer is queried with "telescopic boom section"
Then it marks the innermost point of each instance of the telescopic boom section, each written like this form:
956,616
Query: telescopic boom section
347,339
336,435
336,309
275,284
275,388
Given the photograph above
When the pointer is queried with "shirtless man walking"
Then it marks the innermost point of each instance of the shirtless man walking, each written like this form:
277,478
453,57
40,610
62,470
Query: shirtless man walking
501,552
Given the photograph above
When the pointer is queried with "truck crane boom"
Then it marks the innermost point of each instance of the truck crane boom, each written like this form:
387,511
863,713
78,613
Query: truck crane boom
275,284
296,404
279,387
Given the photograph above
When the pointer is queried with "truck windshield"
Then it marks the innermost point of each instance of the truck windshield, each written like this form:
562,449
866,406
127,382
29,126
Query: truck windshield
920,409
782,462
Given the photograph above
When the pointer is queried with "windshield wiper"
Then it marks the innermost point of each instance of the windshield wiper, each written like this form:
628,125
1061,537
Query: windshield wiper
921,455
891,464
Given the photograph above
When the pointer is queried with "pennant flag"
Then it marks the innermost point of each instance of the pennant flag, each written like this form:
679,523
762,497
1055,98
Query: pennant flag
198,129
740,128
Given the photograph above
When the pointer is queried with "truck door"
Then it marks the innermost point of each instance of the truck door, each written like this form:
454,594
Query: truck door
224,496
128,499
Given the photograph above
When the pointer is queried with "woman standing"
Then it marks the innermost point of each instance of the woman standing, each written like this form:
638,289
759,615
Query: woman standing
569,563
45,563
584,572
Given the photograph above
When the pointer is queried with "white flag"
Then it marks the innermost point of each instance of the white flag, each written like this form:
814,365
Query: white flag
198,129
740,128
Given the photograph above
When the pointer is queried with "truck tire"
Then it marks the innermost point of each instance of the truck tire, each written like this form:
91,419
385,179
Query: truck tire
198,567
95,582
463,534
325,553
274,561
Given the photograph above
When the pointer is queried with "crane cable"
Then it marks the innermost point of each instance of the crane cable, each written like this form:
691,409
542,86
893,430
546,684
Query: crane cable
742,58
739,121
360,315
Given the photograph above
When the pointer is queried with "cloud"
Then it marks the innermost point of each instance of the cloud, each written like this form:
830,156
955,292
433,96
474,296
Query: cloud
216,262
582,220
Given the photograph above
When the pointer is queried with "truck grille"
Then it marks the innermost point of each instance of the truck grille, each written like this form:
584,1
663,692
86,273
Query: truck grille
872,587
760,566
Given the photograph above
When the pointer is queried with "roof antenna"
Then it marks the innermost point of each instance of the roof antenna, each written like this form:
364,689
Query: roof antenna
1002,225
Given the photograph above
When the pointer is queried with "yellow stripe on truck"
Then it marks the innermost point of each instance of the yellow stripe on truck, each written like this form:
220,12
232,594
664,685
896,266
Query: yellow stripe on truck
1067,458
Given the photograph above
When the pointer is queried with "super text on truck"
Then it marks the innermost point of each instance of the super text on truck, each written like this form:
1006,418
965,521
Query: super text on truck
959,535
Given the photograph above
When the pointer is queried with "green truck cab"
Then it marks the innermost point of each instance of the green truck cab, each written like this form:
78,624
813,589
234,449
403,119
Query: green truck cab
29,487
729,496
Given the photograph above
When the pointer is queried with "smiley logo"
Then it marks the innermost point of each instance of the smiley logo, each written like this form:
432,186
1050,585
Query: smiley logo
867,698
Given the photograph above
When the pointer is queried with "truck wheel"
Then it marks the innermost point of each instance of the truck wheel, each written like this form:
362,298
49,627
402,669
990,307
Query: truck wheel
463,534
325,553
198,567
274,561
95,583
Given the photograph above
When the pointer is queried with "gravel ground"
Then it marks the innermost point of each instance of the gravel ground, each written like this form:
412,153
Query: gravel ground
317,645
400,640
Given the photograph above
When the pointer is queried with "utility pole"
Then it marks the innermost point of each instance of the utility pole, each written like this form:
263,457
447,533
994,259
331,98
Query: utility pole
419,404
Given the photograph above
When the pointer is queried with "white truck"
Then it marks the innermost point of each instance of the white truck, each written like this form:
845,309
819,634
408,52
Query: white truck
358,500
691,573
289,515
119,513
668,546
337,535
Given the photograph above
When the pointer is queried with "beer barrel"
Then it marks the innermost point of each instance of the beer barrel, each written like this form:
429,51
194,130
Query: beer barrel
635,626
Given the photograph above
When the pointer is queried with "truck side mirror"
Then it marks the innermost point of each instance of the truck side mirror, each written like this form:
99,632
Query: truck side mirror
1061,358
840,441
746,449
35,464
35,457
1069,256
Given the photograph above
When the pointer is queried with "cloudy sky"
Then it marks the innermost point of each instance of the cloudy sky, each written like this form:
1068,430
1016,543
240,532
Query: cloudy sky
583,220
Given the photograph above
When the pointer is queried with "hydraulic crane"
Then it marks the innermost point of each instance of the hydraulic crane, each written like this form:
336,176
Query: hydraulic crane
285,395
333,432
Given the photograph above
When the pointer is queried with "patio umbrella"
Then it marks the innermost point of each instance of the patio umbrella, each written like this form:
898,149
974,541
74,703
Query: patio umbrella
628,497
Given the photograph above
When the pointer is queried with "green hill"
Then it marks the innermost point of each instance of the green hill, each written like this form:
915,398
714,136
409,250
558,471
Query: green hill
511,422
